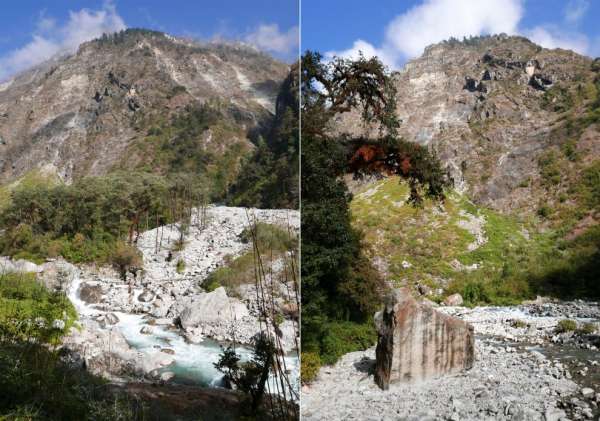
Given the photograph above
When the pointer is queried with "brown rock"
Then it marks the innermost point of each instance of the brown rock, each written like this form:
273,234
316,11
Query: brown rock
453,300
417,342
91,294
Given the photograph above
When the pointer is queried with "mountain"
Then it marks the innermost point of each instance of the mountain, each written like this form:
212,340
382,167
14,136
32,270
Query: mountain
518,128
138,99
491,107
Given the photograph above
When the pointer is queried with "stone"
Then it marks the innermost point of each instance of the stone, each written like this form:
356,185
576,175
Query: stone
212,307
112,318
454,300
146,330
167,376
168,351
91,294
424,289
146,296
587,392
416,342
554,414
290,310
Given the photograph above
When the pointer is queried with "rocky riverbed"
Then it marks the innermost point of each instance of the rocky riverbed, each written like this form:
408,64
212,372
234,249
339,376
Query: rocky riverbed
524,370
159,323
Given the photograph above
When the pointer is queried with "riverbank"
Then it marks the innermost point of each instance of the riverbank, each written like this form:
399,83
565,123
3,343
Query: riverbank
519,373
160,324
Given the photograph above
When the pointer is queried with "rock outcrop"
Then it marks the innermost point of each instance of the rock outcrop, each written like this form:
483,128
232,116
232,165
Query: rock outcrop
213,314
417,342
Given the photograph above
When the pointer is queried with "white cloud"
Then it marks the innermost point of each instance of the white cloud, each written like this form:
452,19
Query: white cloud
575,10
367,50
50,39
268,37
435,20
432,21
550,36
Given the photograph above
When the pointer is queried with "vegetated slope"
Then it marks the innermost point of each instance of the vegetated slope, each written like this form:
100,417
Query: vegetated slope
138,99
518,128
441,248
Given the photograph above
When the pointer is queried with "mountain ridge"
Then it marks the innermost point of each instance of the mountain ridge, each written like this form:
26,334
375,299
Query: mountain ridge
81,113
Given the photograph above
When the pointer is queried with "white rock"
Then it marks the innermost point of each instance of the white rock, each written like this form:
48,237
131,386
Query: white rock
587,392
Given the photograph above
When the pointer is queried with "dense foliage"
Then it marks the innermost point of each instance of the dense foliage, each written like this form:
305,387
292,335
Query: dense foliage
340,288
83,221
204,142
36,382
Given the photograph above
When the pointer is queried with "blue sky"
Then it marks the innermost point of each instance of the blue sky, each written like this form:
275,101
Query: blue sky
397,30
30,29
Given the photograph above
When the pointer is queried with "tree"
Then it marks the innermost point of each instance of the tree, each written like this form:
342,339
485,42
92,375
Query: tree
338,282
250,377
125,258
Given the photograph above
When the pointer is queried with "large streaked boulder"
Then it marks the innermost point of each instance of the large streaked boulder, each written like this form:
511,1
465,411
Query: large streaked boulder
416,342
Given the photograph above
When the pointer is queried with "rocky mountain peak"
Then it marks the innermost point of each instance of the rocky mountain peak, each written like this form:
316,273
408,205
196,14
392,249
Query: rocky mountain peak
79,113
491,106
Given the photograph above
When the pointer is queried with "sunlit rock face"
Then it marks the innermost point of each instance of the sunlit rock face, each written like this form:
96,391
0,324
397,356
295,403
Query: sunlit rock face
416,342
488,109
81,114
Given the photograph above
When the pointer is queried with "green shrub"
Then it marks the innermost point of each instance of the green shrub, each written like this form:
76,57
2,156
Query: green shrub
309,368
210,285
125,258
23,299
587,328
344,337
569,148
544,211
550,168
518,324
566,325
180,266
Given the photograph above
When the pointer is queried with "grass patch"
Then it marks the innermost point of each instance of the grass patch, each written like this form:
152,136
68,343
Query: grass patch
566,325
272,241
431,238
344,337
180,267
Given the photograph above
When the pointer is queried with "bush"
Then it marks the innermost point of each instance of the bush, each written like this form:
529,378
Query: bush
518,324
550,168
544,211
344,337
210,285
310,365
566,325
125,258
180,266
587,329
23,299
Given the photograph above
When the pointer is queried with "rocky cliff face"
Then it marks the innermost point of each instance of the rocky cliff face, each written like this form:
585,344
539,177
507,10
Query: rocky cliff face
79,114
491,107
